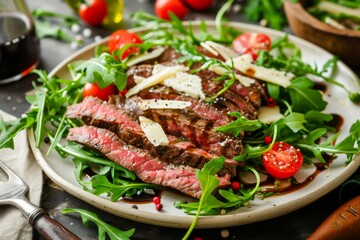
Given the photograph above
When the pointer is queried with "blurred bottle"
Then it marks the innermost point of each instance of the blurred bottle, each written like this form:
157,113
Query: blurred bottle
19,46
115,12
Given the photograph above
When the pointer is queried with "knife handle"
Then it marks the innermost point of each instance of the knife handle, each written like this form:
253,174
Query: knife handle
343,223
49,228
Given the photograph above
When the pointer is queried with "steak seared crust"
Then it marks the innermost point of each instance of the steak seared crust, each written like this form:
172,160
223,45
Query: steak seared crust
146,167
96,112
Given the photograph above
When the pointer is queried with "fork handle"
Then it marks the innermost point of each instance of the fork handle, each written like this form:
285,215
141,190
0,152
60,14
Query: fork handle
49,228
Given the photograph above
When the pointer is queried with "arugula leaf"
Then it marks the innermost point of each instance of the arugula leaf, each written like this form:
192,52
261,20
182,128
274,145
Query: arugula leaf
208,183
9,129
104,229
219,19
237,200
287,57
315,119
47,30
54,25
55,16
295,121
303,97
208,203
104,70
272,11
349,145
240,124
101,184
39,103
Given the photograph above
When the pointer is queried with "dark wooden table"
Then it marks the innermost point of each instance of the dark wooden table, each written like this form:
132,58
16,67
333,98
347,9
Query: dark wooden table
296,225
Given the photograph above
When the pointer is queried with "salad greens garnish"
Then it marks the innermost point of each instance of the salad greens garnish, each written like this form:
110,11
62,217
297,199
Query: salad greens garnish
271,11
104,229
303,125
208,203
341,14
105,69
45,27
286,56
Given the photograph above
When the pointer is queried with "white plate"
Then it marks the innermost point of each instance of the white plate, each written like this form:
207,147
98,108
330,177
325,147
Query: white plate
62,171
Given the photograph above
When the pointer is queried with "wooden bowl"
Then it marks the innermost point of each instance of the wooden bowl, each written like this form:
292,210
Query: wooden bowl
343,43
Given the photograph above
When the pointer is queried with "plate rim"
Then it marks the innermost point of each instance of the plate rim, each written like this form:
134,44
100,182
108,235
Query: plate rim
215,221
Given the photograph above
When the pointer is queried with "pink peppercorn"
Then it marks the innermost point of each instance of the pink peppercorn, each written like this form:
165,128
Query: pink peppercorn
267,139
235,186
271,102
156,200
159,207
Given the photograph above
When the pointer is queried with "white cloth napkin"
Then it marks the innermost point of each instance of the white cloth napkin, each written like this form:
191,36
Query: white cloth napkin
13,225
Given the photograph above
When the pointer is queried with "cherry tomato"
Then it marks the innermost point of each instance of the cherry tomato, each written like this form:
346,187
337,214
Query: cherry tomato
121,37
282,161
163,7
93,13
251,43
199,5
92,89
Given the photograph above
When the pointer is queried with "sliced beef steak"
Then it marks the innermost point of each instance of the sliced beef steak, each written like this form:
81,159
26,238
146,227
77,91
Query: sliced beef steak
184,123
179,152
245,100
148,168
213,112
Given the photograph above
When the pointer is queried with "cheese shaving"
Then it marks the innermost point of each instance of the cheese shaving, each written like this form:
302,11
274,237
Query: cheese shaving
245,81
145,56
209,48
269,114
226,52
244,64
153,131
162,104
159,77
189,84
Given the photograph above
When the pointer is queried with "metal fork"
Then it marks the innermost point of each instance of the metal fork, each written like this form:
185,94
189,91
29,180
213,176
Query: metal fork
12,192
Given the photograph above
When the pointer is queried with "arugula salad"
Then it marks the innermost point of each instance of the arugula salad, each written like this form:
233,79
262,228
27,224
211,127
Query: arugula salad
297,107
340,14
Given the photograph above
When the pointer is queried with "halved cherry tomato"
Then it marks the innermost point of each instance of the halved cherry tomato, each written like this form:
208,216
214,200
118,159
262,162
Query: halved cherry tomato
92,89
199,5
163,7
282,161
94,12
251,43
121,37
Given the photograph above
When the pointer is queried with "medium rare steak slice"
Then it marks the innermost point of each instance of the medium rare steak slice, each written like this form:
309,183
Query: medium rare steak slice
211,87
183,123
199,131
213,112
146,167
179,152
238,98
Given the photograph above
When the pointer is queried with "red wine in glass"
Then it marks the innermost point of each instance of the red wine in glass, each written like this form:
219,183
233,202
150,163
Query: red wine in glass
19,46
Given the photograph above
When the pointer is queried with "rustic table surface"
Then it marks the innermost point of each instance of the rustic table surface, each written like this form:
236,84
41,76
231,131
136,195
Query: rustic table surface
296,225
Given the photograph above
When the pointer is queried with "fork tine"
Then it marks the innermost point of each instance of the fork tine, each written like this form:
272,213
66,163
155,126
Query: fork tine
12,176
